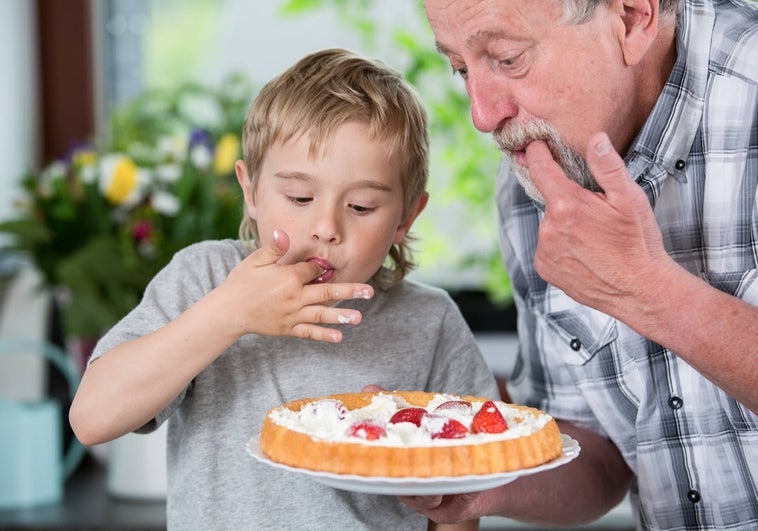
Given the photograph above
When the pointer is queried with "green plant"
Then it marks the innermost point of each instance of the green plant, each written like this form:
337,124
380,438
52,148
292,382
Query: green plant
102,221
467,158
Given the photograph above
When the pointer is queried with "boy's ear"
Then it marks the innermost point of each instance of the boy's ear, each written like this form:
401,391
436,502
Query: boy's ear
641,22
240,169
416,208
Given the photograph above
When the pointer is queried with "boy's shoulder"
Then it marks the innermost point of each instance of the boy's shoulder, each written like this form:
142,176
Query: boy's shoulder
212,249
415,288
409,296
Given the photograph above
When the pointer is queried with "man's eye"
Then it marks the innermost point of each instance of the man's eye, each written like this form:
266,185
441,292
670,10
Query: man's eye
462,71
512,62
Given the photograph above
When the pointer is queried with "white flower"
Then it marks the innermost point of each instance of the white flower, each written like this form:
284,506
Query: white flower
53,172
201,157
88,173
202,111
165,203
168,173
172,147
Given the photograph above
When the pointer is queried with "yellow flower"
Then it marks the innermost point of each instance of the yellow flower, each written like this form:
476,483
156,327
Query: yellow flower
227,152
121,181
84,157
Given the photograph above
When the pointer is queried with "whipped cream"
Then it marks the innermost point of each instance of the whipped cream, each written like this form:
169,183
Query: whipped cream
330,420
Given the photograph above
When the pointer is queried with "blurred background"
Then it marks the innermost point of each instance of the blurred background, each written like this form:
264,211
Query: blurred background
122,122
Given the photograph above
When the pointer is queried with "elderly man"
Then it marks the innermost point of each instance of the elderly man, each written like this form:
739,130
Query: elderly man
636,279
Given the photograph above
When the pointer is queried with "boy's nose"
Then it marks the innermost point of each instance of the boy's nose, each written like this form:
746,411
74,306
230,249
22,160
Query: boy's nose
326,229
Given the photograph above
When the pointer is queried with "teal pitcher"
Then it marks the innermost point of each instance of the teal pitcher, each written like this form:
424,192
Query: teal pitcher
33,466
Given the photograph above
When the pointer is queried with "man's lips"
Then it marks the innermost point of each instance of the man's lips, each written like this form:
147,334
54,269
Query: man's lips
328,268
520,156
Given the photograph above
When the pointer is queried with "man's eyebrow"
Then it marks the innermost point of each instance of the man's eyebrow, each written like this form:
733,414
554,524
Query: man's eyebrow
481,36
476,39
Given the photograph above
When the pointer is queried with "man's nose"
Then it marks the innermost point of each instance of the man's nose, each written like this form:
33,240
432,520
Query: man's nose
491,102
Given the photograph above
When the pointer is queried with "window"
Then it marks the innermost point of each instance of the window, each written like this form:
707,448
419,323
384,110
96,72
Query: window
161,43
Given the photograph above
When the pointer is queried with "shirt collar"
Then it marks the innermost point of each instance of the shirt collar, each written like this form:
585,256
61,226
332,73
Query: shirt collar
669,132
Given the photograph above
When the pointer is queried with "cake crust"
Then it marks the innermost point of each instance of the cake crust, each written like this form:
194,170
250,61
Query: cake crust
301,450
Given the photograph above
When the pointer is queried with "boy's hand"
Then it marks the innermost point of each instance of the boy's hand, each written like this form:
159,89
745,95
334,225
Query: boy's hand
275,299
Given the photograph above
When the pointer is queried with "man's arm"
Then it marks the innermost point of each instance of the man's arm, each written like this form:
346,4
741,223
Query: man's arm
605,250
578,492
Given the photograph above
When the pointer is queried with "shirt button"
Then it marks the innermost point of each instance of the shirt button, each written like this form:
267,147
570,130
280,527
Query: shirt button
575,344
679,164
693,496
675,402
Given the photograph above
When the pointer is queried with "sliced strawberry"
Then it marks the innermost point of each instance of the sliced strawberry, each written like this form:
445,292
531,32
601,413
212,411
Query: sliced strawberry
489,419
456,405
367,429
441,427
408,414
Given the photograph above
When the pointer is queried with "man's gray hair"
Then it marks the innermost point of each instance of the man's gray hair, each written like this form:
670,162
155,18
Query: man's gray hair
580,11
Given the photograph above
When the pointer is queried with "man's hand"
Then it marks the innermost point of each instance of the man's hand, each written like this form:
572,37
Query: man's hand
269,298
604,249
595,482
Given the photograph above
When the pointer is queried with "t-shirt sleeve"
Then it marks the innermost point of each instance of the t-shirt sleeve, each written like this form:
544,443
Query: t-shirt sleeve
173,290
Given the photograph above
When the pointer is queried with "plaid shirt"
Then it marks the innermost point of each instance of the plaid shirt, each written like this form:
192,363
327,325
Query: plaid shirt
693,449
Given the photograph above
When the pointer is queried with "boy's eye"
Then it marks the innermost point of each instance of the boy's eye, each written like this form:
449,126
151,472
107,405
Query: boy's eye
358,209
300,200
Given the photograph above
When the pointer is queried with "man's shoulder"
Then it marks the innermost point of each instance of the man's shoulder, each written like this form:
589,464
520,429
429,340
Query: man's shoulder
735,38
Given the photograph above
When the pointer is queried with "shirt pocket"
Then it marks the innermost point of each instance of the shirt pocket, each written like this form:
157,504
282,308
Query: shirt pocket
575,331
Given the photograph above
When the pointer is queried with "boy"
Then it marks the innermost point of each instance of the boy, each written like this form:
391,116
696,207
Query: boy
334,175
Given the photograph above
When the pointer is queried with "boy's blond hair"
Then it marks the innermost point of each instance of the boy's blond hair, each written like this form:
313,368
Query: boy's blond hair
320,93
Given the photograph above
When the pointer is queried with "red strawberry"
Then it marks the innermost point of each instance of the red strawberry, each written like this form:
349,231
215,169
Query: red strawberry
459,405
366,429
441,427
409,414
489,419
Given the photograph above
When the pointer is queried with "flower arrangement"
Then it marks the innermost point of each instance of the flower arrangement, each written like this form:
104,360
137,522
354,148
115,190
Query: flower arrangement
102,221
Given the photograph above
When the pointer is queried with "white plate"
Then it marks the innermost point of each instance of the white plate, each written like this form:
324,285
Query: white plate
412,486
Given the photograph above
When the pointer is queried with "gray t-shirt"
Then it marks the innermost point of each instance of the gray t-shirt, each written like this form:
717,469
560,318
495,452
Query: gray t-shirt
411,337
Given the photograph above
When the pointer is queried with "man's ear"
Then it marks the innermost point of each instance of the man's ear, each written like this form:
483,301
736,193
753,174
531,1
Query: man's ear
416,208
240,169
641,20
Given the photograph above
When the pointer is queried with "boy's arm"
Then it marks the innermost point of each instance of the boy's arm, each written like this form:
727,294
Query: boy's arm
131,383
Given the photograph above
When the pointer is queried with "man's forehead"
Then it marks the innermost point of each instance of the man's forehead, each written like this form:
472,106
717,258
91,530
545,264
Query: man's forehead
474,23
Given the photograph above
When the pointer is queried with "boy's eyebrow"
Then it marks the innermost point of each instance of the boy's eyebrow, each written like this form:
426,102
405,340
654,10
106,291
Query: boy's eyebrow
363,183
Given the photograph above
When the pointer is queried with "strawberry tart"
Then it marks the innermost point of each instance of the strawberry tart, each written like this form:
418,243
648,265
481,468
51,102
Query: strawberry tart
408,434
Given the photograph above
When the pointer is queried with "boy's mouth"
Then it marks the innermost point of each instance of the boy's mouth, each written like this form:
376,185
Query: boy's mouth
328,272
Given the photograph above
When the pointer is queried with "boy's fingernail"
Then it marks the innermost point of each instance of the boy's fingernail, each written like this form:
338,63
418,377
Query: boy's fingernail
344,319
362,294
